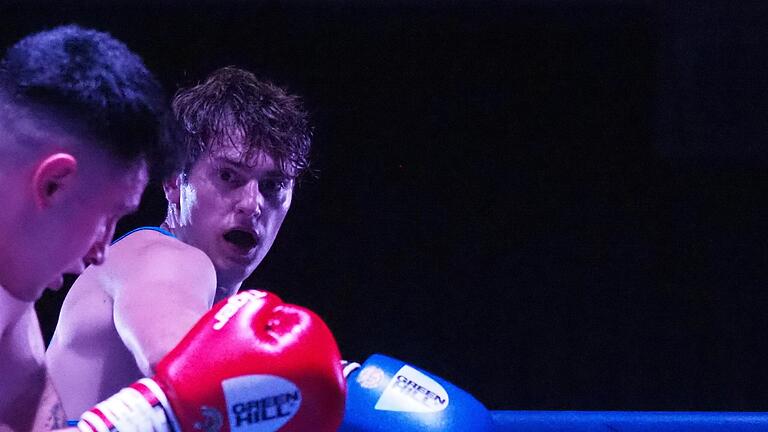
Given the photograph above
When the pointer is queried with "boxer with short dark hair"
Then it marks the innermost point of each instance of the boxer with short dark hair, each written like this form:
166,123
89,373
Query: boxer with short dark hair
246,143
79,122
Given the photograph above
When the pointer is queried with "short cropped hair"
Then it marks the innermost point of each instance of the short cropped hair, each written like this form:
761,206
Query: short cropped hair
233,107
93,87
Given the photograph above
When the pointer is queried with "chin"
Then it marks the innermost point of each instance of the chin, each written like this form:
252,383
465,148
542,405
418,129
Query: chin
242,273
29,295
229,270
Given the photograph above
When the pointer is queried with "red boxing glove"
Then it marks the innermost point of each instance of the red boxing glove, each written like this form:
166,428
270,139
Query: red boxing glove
251,364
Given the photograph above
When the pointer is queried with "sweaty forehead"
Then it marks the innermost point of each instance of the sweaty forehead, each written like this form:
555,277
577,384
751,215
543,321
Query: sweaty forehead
245,158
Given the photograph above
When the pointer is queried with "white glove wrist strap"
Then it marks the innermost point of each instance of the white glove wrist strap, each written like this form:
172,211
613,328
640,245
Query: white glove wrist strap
347,367
141,407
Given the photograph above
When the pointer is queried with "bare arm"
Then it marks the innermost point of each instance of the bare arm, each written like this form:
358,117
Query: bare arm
161,293
29,400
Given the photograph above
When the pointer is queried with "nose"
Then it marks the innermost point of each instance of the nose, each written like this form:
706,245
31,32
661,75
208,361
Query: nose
98,252
96,255
250,200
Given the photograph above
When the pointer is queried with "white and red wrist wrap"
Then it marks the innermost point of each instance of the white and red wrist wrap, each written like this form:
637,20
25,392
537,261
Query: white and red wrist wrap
140,407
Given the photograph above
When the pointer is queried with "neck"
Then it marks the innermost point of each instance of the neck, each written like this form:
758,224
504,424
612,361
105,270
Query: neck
226,290
168,225
172,220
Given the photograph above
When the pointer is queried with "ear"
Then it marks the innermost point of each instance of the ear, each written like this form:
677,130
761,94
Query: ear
172,188
54,174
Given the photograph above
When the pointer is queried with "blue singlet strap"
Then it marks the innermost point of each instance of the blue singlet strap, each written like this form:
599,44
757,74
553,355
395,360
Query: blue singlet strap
150,228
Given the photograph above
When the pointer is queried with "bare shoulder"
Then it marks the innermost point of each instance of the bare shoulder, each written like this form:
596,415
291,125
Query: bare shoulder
151,245
151,257
21,346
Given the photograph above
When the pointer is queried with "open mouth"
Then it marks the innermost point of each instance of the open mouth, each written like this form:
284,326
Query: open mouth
242,239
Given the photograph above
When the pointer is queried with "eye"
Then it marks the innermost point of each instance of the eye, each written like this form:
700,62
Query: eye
273,185
227,175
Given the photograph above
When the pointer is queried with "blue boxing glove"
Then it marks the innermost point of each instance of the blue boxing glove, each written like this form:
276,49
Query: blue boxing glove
385,394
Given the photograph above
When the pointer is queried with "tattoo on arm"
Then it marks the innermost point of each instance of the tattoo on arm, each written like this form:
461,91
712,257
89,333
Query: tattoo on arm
56,418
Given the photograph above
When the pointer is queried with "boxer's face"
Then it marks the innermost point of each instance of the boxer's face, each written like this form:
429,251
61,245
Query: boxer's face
85,222
232,209
70,222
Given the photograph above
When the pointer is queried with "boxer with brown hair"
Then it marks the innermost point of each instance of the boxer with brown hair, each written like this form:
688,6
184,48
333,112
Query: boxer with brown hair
246,142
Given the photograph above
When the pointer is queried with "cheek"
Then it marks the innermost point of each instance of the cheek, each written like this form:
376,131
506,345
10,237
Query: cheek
281,204
287,202
92,230
278,213
82,234
85,223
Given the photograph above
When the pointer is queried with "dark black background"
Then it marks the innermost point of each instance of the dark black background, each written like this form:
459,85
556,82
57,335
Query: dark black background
553,204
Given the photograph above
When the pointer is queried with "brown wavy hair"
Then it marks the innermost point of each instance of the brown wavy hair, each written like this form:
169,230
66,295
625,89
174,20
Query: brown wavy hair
232,107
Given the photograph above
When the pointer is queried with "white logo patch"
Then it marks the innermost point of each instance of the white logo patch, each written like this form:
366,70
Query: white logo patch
233,305
370,377
260,403
412,391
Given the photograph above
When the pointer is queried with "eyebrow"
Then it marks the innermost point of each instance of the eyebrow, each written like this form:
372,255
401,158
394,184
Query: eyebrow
229,160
